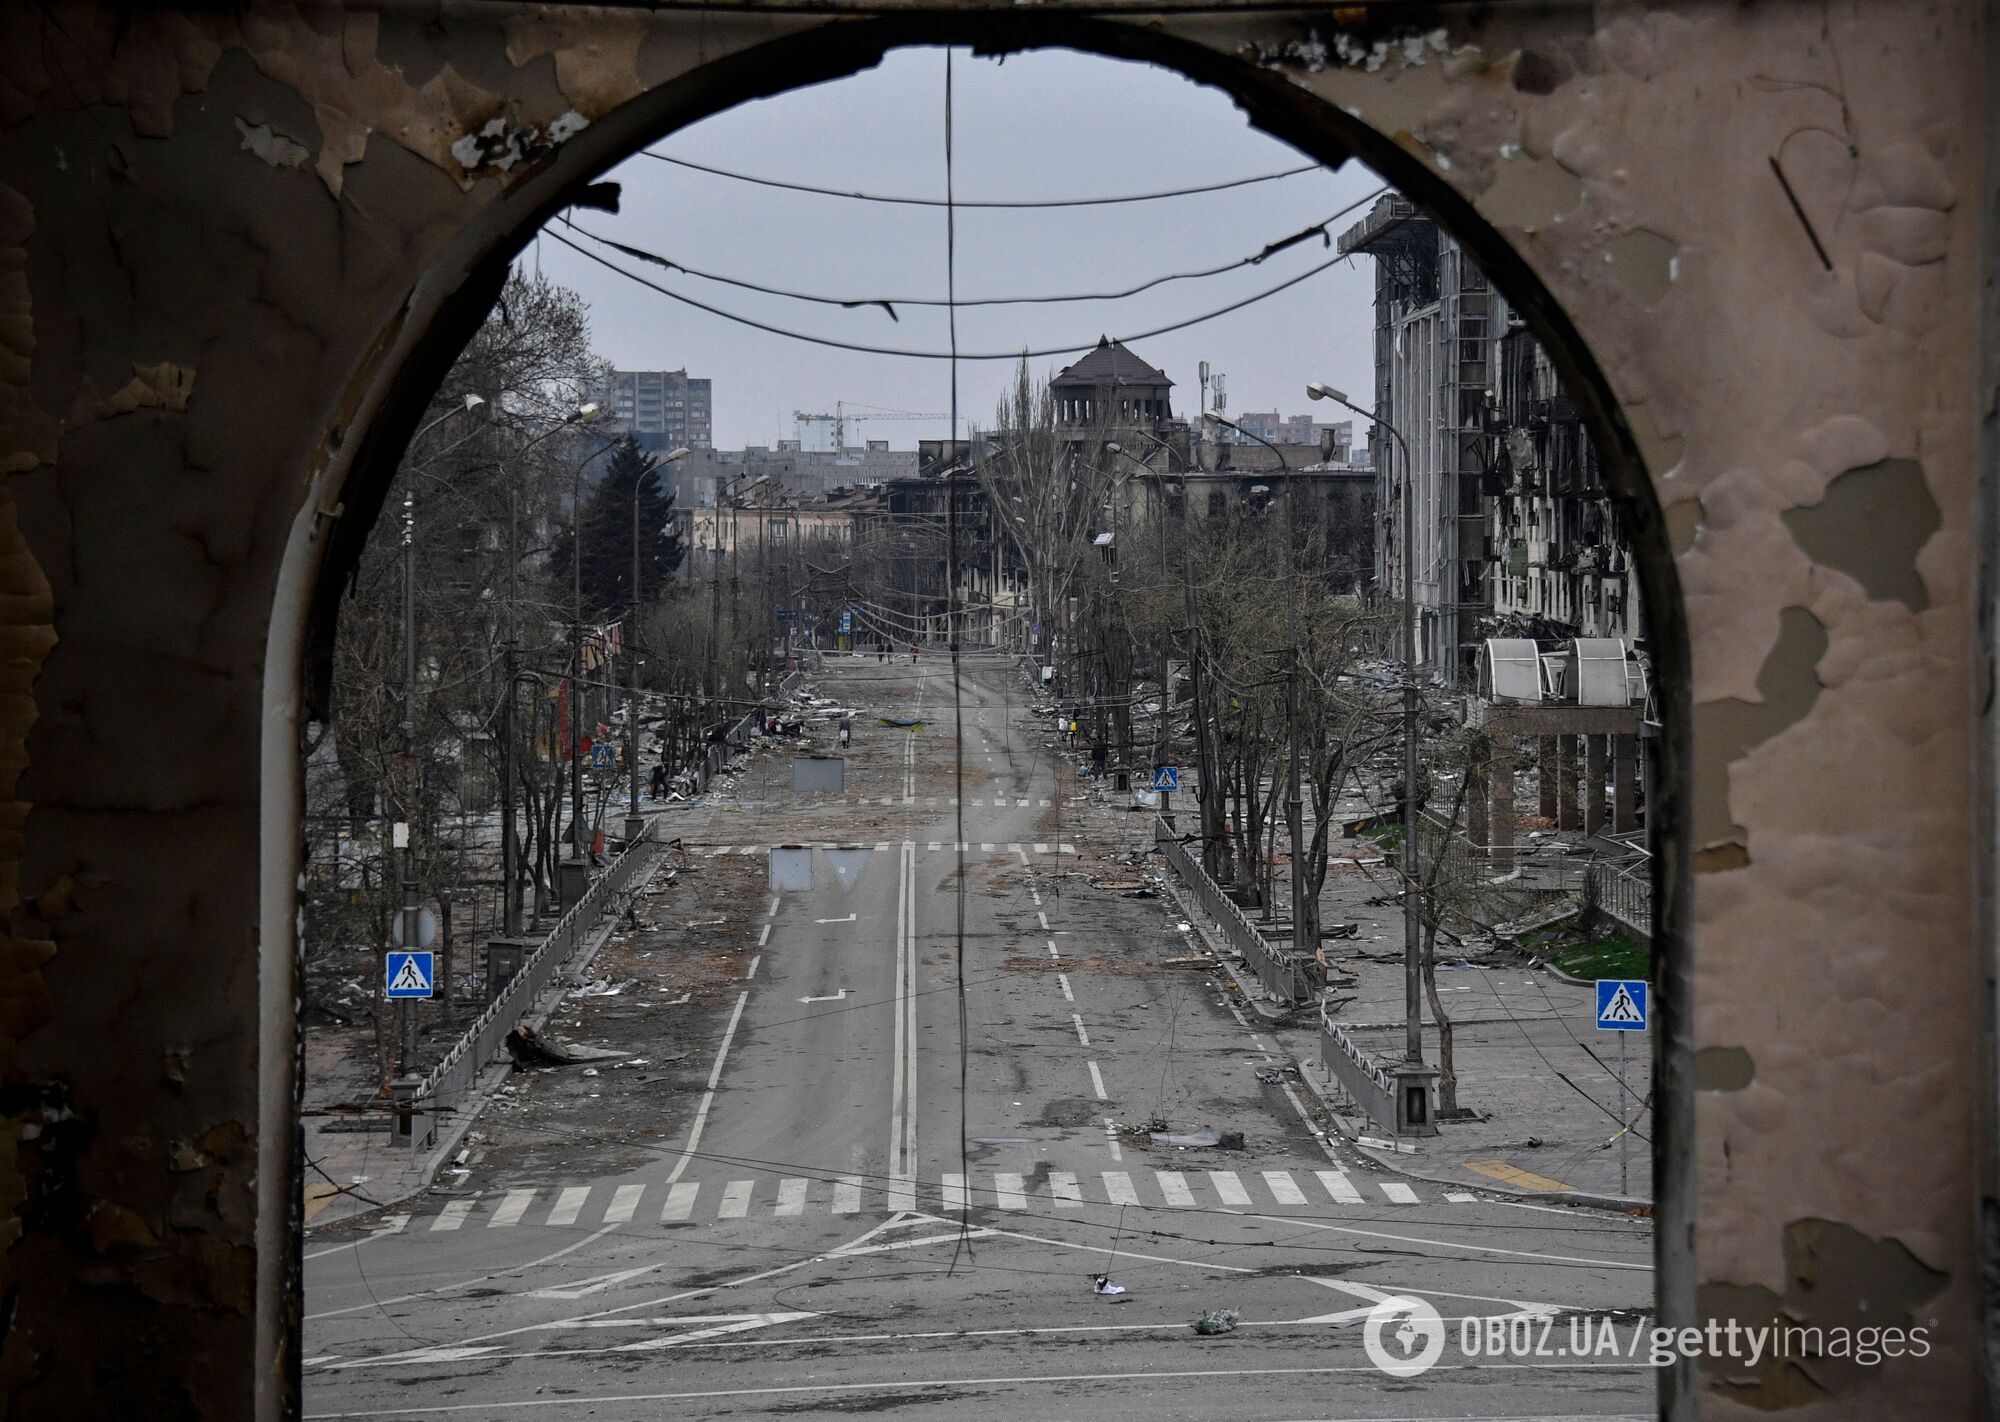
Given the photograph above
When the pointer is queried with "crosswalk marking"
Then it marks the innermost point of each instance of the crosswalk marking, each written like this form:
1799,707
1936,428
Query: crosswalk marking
1283,1190
1228,1188
1021,804
680,1202
793,1197
1339,1186
569,1205
511,1209
1118,1188
624,1204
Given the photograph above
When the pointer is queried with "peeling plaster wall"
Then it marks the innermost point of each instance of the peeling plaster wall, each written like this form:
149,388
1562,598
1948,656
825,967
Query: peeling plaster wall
231,247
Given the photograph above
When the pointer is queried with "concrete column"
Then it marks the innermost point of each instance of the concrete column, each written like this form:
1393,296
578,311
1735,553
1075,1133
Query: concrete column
1476,776
1594,751
1502,777
1648,751
1545,763
1624,783
1566,812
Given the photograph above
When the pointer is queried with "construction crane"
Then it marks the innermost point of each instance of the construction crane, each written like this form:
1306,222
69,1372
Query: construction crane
840,417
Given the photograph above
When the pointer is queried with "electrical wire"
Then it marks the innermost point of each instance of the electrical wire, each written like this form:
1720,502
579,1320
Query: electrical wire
907,354
889,303
948,203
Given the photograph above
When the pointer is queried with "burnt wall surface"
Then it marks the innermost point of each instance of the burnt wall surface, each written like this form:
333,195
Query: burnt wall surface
235,247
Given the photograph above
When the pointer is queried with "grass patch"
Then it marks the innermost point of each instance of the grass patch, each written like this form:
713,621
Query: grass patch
1613,956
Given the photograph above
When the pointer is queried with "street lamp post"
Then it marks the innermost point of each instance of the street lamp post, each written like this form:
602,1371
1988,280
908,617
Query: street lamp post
1294,799
633,821
406,1020
576,839
1413,1037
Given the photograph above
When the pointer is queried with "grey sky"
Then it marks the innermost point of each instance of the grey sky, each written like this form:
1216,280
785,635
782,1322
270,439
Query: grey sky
1046,124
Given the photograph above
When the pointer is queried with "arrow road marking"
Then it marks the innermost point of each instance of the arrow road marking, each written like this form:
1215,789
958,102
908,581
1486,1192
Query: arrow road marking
849,919
840,996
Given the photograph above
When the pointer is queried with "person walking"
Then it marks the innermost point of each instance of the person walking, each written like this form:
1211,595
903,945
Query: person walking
913,653
846,728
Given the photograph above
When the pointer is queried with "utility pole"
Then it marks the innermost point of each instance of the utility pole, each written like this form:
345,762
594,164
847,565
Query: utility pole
634,823
510,850
406,1015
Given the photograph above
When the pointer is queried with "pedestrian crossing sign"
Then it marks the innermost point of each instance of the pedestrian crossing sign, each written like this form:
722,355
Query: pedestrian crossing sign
409,974
1166,777
1621,1004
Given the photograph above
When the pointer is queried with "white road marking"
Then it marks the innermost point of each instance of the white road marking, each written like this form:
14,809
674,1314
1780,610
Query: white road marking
903,1083
511,1209
1081,1035
1228,1188
680,1202
752,970
569,1205
849,919
736,1199
1459,1197
1283,1189
1043,919
764,937
847,1195
1097,1082
1053,953
452,1215
791,1196
1010,1192
1339,1186
708,1095
1118,1188
1064,1191
1063,978
391,1224
624,1204
954,1193
773,911
1111,1138
1174,1189
1399,1193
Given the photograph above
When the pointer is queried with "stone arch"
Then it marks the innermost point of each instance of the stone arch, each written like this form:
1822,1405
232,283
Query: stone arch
458,287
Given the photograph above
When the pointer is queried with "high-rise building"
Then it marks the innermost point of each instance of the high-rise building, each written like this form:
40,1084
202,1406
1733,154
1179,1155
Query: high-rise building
666,409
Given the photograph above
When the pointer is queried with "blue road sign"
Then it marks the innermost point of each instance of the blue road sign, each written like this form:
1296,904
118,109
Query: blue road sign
1166,777
847,620
409,974
603,756
1621,1004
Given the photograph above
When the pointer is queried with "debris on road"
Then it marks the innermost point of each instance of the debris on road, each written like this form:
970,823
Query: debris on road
1207,1138
1101,1284
1217,1321
530,1048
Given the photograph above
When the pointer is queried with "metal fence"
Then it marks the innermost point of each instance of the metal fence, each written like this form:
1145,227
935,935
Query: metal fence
444,1091
1364,1080
1623,891
1285,975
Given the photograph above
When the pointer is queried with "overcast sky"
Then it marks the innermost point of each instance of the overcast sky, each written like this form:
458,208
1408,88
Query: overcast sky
1041,125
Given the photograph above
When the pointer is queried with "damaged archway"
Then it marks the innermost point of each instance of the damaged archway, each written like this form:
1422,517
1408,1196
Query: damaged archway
259,233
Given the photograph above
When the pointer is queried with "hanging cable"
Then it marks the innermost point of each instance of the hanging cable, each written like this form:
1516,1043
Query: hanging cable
863,349
947,202
890,303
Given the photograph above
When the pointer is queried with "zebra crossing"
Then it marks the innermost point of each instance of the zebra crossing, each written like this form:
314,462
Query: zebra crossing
963,846
946,802
795,1197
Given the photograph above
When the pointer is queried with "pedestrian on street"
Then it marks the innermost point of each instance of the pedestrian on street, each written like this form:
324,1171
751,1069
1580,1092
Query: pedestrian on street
1099,754
846,726
913,652
659,785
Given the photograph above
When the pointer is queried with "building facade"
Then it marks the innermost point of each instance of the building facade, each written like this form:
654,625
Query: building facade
664,409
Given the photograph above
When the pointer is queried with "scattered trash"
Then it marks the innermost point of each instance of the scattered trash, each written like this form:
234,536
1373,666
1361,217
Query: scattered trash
1101,1284
598,987
1216,1321
1270,1076
1341,930
1207,1138
590,1071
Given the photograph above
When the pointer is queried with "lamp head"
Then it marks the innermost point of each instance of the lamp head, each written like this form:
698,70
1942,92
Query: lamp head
1114,446
586,413
473,402
1319,390
676,456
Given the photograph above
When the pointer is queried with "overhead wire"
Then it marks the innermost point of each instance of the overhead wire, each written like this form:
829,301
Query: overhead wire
947,202
889,303
862,348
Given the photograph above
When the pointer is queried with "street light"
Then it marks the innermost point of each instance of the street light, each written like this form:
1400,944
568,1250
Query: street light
585,414
1294,798
633,823
1413,1045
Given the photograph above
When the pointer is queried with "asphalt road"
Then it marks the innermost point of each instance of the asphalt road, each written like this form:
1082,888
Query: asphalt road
903,1164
